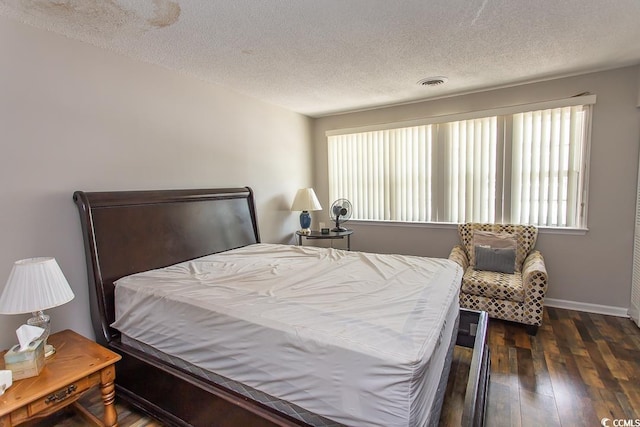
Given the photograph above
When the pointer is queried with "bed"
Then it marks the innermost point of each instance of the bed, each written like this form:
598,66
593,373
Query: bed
129,235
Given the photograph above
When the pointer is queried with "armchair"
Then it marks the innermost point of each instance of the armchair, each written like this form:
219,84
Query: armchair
516,295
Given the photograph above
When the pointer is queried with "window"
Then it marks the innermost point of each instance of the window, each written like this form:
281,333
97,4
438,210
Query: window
526,167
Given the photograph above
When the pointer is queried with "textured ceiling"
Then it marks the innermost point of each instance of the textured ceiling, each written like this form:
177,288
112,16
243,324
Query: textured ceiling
322,57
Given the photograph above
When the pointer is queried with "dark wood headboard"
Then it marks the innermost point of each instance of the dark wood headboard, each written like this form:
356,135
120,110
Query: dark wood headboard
127,232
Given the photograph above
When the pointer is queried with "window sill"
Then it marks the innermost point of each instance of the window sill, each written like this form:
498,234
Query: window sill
454,226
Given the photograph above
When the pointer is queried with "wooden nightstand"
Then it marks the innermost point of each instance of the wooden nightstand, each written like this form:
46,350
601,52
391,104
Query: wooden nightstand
330,235
78,365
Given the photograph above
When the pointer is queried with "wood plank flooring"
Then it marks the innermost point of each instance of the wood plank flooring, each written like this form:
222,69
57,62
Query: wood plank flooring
578,369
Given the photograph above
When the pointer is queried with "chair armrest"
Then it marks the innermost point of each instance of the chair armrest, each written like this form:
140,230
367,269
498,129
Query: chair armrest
535,283
460,257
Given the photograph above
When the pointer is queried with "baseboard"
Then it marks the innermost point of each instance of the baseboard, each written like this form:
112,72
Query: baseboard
634,313
589,308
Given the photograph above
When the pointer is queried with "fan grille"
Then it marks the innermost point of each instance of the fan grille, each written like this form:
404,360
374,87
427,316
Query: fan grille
340,213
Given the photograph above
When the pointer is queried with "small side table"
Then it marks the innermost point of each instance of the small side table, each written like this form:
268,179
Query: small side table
78,365
331,235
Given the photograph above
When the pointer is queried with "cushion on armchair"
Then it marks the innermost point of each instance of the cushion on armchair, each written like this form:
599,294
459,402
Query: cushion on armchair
500,260
493,251
490,284
524,235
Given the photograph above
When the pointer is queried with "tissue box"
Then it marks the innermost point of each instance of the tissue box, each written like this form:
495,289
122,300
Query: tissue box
27,363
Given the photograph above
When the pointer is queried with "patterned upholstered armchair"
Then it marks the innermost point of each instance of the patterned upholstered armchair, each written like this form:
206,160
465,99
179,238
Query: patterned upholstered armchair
503,274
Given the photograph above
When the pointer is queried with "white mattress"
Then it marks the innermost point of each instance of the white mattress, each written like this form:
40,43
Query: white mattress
355,337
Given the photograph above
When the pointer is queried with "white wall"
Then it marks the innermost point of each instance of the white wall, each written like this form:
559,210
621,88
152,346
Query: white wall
594,268
75,117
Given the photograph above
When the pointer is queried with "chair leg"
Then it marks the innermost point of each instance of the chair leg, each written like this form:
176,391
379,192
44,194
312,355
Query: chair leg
532,330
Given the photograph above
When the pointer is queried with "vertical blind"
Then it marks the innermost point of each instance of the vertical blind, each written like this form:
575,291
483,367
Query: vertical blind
470,178
548,157
527,168
387,174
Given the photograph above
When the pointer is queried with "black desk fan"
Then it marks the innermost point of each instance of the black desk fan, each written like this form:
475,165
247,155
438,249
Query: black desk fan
340,212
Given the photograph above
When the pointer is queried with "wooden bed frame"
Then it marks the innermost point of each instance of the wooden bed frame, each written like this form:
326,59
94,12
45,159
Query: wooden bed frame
132,231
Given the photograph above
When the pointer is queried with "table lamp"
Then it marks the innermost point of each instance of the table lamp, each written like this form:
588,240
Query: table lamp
305,201
35,285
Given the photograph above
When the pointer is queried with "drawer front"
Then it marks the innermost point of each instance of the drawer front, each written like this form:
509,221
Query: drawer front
60,398
52,402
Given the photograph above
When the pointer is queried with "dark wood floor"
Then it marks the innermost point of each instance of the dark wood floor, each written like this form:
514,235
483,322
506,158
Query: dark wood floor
578,369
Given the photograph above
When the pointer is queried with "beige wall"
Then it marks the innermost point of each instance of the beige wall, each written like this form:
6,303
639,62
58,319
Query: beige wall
75,117
594,268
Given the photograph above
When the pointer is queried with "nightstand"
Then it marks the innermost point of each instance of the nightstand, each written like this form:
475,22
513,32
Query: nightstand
78,365
330,235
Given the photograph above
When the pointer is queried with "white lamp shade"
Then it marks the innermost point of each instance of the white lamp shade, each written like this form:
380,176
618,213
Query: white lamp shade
35,284
306,200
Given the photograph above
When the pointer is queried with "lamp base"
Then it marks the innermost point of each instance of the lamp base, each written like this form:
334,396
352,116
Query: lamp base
43,321
305,222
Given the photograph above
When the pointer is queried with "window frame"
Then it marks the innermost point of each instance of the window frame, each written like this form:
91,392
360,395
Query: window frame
503,151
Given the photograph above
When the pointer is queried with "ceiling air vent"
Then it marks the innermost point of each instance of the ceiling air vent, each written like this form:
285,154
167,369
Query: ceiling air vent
433,81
